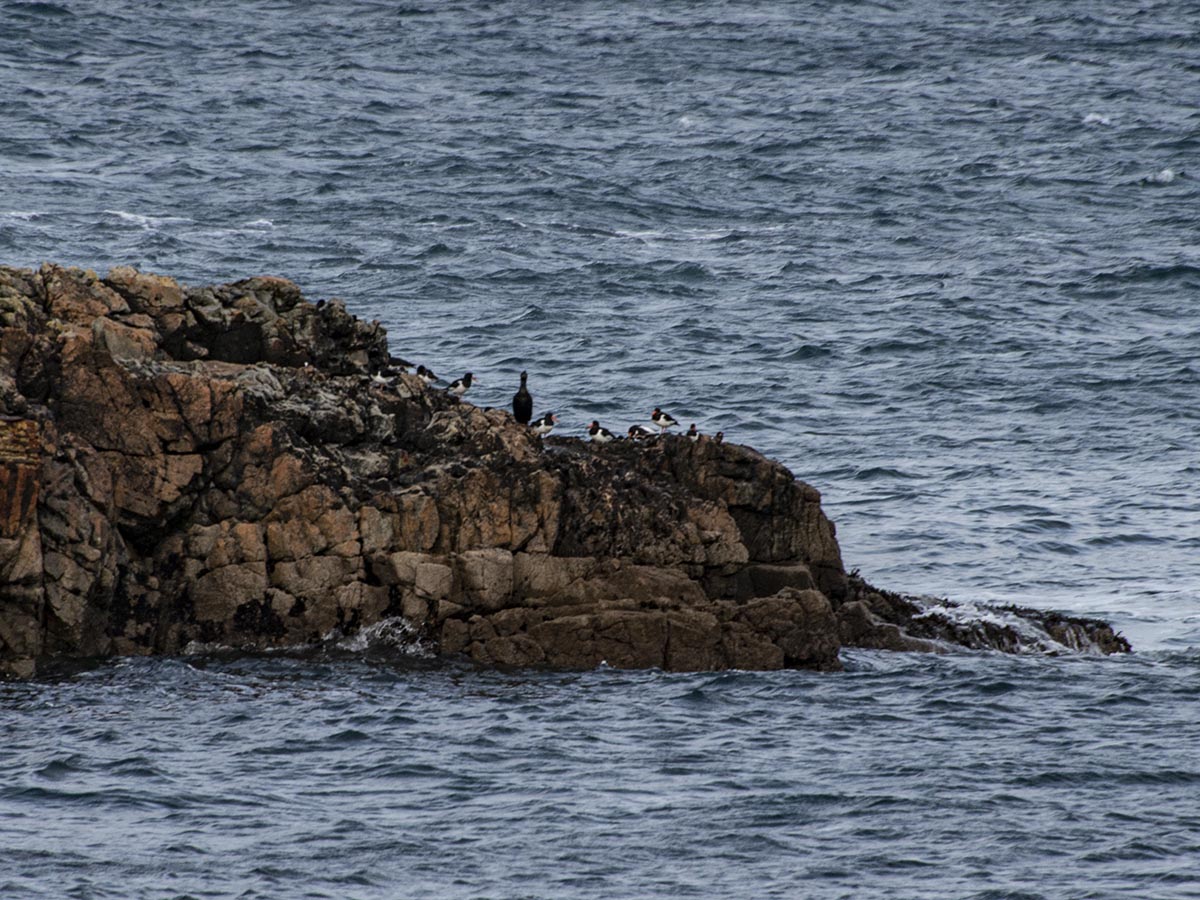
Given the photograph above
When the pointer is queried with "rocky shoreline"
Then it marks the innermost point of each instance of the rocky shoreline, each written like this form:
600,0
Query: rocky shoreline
234,465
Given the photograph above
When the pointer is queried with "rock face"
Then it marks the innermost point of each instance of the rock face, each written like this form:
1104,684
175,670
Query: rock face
219,465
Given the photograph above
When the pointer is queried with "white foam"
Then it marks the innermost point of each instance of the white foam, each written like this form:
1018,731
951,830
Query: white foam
260,223
1096,119
20,215
396,633
1166,176
1033,638
145,222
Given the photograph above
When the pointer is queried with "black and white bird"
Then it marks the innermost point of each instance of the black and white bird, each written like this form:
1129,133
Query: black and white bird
718,437
523,403
426,375
460,386
393,370
640,432
543,426
662,420
692,434
600,435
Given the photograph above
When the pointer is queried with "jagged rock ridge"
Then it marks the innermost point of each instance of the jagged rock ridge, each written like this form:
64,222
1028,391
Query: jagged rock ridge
217,464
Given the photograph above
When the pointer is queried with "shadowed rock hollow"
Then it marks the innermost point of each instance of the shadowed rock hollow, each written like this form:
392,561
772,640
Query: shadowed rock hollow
219,465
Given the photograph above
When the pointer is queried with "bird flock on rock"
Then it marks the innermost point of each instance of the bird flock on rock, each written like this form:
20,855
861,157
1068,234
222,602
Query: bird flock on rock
522,405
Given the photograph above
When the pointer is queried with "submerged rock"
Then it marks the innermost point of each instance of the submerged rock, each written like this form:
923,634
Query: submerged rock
226,466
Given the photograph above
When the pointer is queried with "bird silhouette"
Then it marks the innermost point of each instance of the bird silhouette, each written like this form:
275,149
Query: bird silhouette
523,403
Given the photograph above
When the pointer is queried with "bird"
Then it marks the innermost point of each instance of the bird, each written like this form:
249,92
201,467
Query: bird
459,386
640,432
662,420
544,425
426,375
395,362
692,434
523,403
600,435
718,437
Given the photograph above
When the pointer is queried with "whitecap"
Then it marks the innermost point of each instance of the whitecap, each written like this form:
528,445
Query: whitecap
1096,119
20,215
1166,176
145,222
260,223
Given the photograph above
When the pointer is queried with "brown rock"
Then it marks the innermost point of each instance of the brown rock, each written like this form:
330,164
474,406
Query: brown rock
208,464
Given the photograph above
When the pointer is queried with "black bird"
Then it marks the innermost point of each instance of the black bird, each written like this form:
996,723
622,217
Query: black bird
641,432
523,403
459,386
718,437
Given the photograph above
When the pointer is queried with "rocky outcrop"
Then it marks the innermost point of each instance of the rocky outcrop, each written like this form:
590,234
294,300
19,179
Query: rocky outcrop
236,465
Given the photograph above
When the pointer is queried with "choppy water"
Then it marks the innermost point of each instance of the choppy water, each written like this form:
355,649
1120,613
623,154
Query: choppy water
939,258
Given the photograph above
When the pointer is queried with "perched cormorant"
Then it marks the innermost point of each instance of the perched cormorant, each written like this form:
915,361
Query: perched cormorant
523,403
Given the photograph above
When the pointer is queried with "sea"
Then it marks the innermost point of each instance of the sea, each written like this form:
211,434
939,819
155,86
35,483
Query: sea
941,259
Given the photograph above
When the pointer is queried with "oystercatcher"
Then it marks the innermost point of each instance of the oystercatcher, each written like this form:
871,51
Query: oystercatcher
523,403
459,386
600,435
718,437
426,375
692,434
544,425
640,432
662,420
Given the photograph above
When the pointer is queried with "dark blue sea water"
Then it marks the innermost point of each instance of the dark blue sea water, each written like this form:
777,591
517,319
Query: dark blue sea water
942,259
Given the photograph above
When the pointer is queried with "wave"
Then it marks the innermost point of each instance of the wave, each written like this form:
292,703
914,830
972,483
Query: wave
1163,176
1149,273
147,223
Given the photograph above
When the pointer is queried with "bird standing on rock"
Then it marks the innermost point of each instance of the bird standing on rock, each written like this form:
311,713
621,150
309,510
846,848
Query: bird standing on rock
692,434
718,437
426,375
640,432
543,426
523,403
600,435
459,386
662,420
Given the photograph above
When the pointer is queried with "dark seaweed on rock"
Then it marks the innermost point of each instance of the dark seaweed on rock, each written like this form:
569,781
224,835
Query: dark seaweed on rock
217,465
